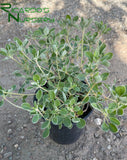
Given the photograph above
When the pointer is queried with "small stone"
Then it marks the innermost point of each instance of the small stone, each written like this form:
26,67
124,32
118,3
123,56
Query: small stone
98,121
10,158
70,156
9,39
109,147
9,131
114,137
9,122
112,154
24,125
19,148
22,137
97,134
16,146
7,155
95,158
2,150
108,139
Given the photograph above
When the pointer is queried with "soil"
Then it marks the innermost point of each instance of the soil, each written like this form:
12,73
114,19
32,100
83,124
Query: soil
19,138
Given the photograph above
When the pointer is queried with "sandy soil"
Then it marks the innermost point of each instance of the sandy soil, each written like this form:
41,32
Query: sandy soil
19,138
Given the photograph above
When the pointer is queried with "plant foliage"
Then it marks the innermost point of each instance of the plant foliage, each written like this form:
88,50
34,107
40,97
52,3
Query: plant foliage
65,69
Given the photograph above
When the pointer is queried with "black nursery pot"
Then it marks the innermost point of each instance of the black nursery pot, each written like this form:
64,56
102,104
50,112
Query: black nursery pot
66,135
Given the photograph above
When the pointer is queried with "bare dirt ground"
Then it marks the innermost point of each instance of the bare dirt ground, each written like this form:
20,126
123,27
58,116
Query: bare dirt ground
19,138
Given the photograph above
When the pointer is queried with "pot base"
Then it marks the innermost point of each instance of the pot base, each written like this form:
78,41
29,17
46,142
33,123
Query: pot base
66,135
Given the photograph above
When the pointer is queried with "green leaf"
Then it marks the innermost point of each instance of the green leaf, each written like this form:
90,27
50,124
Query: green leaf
35,118
46,31
123,99
112,113
86,100
124,106
81,77
75,120
120,112
72,101
75,19
52,94
29,88
67,122
64,31
65,89
8,47
25,42
108,56
57,103
64,96
62,41
46,133
81,123
55,120
104,76
105,127
18,41
24,98
63,111
1,88
1,93
113,128
82,23
41,42
26,106
1,103
120,90
76,108
45,124
97,78
36,77
80,112
70,80
105,63
39,95
64,53
18,74
114,121
102,47
112,105
68,17
34,52
95,106
92,99
37,32
3,52
89,55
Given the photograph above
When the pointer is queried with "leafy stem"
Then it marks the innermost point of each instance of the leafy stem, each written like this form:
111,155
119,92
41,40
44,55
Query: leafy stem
39,66
13,103
82,47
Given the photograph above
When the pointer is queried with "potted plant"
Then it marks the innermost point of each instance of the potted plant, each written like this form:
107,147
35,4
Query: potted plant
66,72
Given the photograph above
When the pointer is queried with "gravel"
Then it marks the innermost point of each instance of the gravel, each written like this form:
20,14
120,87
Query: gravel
6,155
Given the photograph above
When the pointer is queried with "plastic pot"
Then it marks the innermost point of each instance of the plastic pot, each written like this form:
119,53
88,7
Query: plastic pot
66,135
